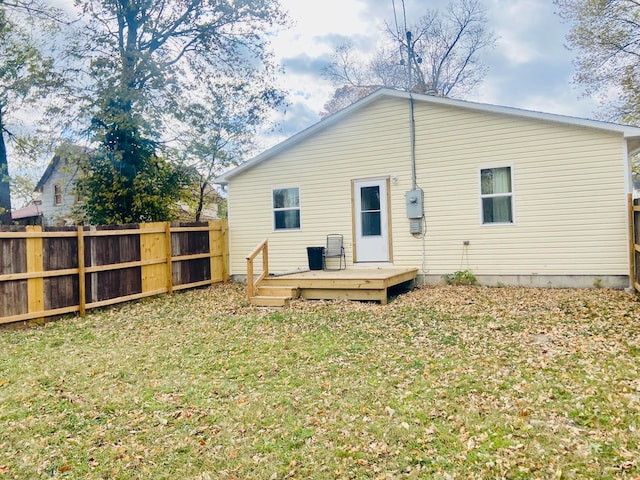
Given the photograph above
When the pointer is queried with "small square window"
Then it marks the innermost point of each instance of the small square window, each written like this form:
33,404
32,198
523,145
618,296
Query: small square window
496,194
286,208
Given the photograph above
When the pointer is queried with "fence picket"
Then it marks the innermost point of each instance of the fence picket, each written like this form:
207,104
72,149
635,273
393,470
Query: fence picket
35,285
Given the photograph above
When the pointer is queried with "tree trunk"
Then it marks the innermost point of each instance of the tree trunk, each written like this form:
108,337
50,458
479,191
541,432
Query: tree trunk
202,189
5,191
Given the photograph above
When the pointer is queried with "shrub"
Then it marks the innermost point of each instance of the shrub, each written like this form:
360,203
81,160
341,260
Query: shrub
461,277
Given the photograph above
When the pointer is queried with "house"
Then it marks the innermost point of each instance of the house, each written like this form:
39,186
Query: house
516,197
57,186
29,215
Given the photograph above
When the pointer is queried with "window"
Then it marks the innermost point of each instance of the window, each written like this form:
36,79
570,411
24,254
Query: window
496,193
286,208
57,194
370,211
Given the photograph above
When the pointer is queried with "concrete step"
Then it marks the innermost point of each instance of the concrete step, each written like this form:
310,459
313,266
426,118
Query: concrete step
270,301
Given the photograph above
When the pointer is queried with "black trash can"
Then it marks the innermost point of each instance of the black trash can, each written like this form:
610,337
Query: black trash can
315,257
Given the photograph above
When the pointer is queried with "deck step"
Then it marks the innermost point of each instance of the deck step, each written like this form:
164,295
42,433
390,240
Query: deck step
278,291
269,301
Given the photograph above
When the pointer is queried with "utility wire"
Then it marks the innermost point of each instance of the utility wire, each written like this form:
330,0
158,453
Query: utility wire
395,16
404,15
398,34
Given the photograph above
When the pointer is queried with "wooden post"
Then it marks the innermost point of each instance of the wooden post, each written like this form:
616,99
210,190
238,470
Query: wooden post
224,237
152,248
265,260
169,266
249,278
215,253
264,249
35,286
82,285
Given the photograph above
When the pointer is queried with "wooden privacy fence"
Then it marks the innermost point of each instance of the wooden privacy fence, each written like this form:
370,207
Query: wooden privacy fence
634,213
56,271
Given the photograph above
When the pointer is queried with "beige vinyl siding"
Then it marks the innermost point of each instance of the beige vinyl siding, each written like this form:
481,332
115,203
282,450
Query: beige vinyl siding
568,186
569,196
371,143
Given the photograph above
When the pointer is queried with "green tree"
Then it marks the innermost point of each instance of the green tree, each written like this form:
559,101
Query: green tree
113,195
440,54
26,76
220,129
147,58
606,35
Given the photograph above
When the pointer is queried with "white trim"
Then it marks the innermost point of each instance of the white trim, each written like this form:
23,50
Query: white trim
384,238
628,178
273,209
497,195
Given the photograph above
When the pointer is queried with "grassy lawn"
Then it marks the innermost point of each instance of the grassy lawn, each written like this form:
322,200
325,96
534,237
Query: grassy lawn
444,382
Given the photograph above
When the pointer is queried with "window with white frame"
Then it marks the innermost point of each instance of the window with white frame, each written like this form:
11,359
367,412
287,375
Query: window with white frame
496,195
57,194
286,208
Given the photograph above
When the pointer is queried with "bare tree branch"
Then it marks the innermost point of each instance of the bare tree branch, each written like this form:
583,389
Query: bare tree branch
445,50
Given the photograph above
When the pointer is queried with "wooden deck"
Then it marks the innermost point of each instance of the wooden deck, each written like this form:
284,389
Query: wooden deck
351,284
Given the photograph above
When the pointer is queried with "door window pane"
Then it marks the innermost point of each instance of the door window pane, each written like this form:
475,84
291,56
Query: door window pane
371,224
370,211
370,198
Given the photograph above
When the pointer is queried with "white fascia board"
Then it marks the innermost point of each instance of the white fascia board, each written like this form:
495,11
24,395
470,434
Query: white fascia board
628,131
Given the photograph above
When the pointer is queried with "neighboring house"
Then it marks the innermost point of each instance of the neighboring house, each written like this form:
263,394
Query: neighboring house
514,196
29,215
57,186
210,206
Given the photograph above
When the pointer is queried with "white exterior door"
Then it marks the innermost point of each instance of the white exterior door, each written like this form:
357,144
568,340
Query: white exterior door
371,220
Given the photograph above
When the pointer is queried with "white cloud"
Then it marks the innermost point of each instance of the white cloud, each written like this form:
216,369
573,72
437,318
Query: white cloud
314,20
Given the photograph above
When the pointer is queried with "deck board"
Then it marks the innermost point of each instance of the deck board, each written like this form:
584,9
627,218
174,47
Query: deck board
350,284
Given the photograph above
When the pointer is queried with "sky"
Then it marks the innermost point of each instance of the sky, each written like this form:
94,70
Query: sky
529,67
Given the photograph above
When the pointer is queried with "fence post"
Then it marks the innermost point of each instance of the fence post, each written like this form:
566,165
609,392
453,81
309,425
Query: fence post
82,280
35,286
169,265
224,234
215,253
